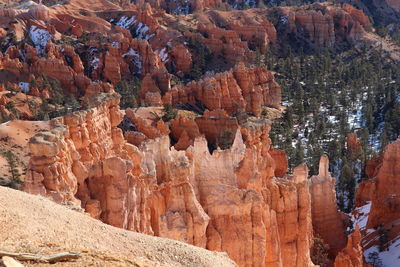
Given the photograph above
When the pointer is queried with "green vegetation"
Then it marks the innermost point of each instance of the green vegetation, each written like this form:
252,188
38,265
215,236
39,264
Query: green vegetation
130,93
201,56
328,95
14,180
225,140
170,113
374,260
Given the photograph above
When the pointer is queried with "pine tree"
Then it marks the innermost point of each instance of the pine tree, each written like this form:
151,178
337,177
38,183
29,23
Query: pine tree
347,184
299,154
44,110
169,113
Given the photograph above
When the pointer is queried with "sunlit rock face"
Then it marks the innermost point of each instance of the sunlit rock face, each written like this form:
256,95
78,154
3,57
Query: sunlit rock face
190,195
327,220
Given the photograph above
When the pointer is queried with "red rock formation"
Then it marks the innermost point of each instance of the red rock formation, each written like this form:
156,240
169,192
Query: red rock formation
151,128
236,32
300,173
364,192
242,87
324,23
385,200
326,219
39,12
281,161
214,123
182,58
57,166
352,254
377,198
354,148
13,66
184,130
176,194
373,166
224,42
319,27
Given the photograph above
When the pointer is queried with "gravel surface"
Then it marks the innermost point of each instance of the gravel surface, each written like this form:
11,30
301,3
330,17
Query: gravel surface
37,225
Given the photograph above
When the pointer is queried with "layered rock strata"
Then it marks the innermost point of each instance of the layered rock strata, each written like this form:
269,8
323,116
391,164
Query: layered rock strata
190,195
241,88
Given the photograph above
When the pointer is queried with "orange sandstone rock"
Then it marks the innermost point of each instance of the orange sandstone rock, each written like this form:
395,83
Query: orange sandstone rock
176,194
326,219
281,161
385,200
242,87
352,254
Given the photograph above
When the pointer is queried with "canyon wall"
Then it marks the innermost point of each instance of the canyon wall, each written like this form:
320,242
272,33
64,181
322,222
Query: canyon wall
240,88
385,199
377,199
161,178
190,195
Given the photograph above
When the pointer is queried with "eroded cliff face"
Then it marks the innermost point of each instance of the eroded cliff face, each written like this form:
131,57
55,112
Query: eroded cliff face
225,201
385,199
323,24
376,208
240,88
377,199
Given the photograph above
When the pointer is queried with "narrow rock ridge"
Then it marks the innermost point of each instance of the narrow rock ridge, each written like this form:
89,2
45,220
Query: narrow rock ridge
379,194
328,221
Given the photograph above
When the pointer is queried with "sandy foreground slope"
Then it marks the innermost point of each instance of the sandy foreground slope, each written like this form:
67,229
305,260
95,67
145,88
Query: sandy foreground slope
37,225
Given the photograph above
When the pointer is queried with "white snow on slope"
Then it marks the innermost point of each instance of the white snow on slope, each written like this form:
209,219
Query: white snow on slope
24,87
360,215
141,28
39,37
126,22
95,63
390,257
163,54
136,59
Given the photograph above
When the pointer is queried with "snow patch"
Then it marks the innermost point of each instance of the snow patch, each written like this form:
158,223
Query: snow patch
136,59
39,37
125,22
95,63
24,87
163,54
360,215
390,257
139,29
